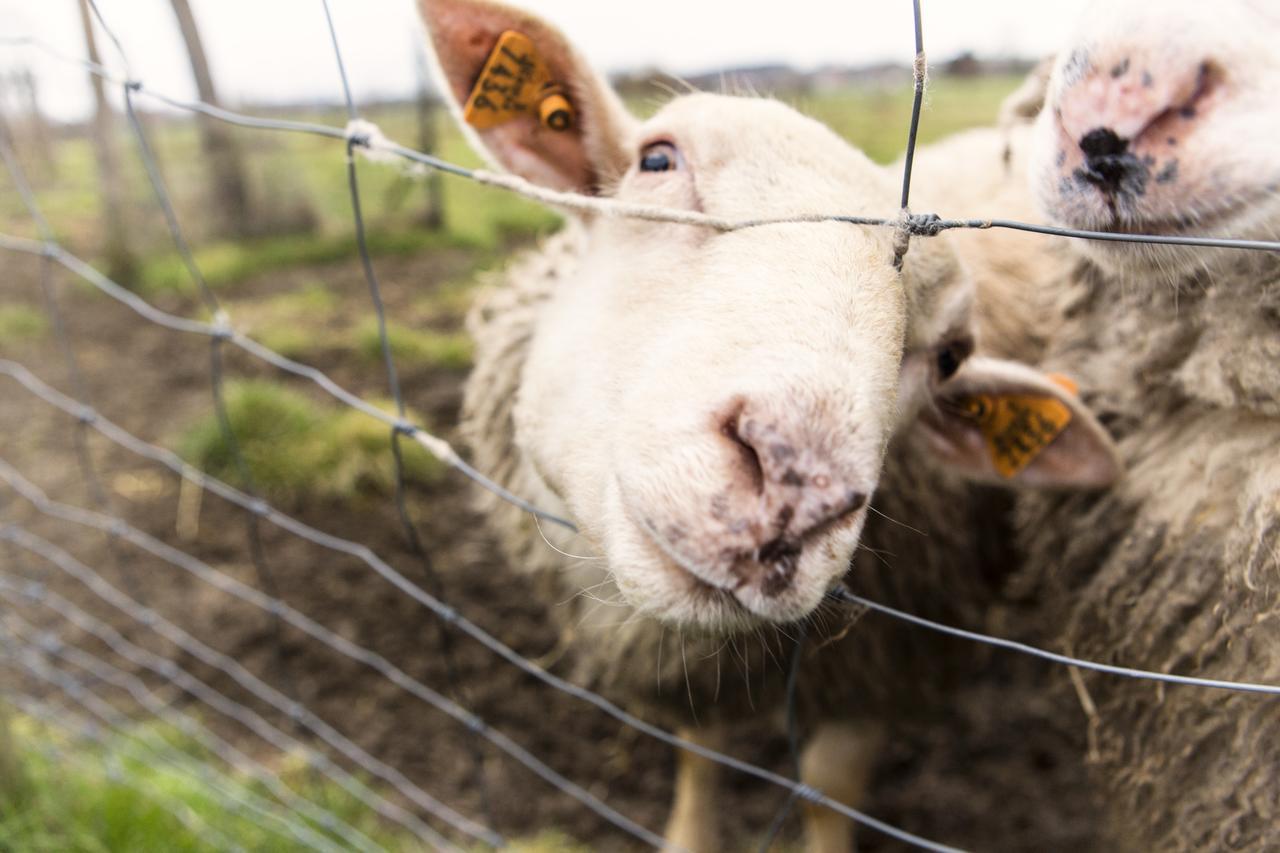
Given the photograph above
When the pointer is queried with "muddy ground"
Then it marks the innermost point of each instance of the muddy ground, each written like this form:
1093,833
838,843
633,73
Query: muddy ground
965,782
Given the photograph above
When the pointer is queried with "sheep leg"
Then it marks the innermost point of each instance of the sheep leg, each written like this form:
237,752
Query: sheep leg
837,760
693,825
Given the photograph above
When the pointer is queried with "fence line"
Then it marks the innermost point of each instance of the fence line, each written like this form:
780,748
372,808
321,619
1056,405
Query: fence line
360,135
257,556
444,611
220,327
295,618
53,644
846,596
93,483
88,730
410,530
260,689
370,141
451,616
38,593
118,723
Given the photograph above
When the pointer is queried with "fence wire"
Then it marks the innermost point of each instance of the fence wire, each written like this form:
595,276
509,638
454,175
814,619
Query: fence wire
84,729
32,592
46,655
235,798
53,645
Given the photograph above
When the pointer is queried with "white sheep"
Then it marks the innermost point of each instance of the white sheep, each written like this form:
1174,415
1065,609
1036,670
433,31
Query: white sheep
1162,118
713,409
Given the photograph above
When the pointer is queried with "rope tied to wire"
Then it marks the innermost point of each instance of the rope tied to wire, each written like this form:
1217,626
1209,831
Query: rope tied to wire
365,136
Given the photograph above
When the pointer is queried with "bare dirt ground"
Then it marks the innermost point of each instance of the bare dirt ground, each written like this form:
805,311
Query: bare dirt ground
967,783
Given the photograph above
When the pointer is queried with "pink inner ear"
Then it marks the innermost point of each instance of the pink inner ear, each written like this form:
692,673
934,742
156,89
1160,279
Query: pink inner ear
554,159
1081,456
465,33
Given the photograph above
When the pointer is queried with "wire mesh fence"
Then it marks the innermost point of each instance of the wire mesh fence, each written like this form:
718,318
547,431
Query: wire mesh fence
74,682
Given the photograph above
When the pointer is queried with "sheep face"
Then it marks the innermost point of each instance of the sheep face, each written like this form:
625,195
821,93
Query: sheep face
1160,119
713,408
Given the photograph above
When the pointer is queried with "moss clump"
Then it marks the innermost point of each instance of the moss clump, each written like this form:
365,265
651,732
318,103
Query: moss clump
296,448
416,347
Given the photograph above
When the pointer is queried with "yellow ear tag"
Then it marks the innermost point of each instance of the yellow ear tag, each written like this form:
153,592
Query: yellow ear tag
516,82
1017,427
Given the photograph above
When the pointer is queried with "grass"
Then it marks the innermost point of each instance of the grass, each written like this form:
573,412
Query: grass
876,118
289,323
296,448
415,347
302,321
76,795
21,323
227,263
69,795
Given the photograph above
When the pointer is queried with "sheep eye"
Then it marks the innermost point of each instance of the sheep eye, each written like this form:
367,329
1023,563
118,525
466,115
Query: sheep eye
658,157
952,355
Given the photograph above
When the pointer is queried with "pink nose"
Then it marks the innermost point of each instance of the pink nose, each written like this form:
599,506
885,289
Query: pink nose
1130,95
1114,109
785,487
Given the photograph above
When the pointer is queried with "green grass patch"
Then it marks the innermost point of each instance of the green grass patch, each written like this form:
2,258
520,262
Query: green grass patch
225,263
876,117
415,347
65,794
293,323
296,448
21,323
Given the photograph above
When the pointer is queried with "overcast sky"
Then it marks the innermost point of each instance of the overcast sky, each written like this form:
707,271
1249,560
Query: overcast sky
278,50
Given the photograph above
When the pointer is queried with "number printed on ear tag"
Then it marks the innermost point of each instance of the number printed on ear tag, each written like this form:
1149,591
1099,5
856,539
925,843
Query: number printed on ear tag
514,82
1017,427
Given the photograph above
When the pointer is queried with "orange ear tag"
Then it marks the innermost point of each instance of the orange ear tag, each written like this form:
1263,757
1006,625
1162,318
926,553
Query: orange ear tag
516,82
1017,427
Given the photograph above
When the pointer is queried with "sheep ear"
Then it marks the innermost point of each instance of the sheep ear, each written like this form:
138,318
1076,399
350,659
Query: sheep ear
1024,103
1002,422
528,101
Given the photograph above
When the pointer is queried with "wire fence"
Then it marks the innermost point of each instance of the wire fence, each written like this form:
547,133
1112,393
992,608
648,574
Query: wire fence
75,676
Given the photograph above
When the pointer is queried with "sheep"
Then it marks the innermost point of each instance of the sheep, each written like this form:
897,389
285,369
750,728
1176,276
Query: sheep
716,411
979,174
1162,119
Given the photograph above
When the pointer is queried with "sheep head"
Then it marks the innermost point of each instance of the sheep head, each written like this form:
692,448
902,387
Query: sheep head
1161,119
713,408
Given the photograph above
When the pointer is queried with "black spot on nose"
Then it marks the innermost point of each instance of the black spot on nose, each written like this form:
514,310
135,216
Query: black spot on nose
1108,164
1102,142
779,550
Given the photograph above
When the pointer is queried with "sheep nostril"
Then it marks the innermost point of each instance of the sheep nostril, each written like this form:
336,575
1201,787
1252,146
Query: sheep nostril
853,502
779,550
750,459
1102,142
778,560
1108,162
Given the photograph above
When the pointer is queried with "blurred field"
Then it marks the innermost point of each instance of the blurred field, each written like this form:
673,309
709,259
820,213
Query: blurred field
291,172
303,294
